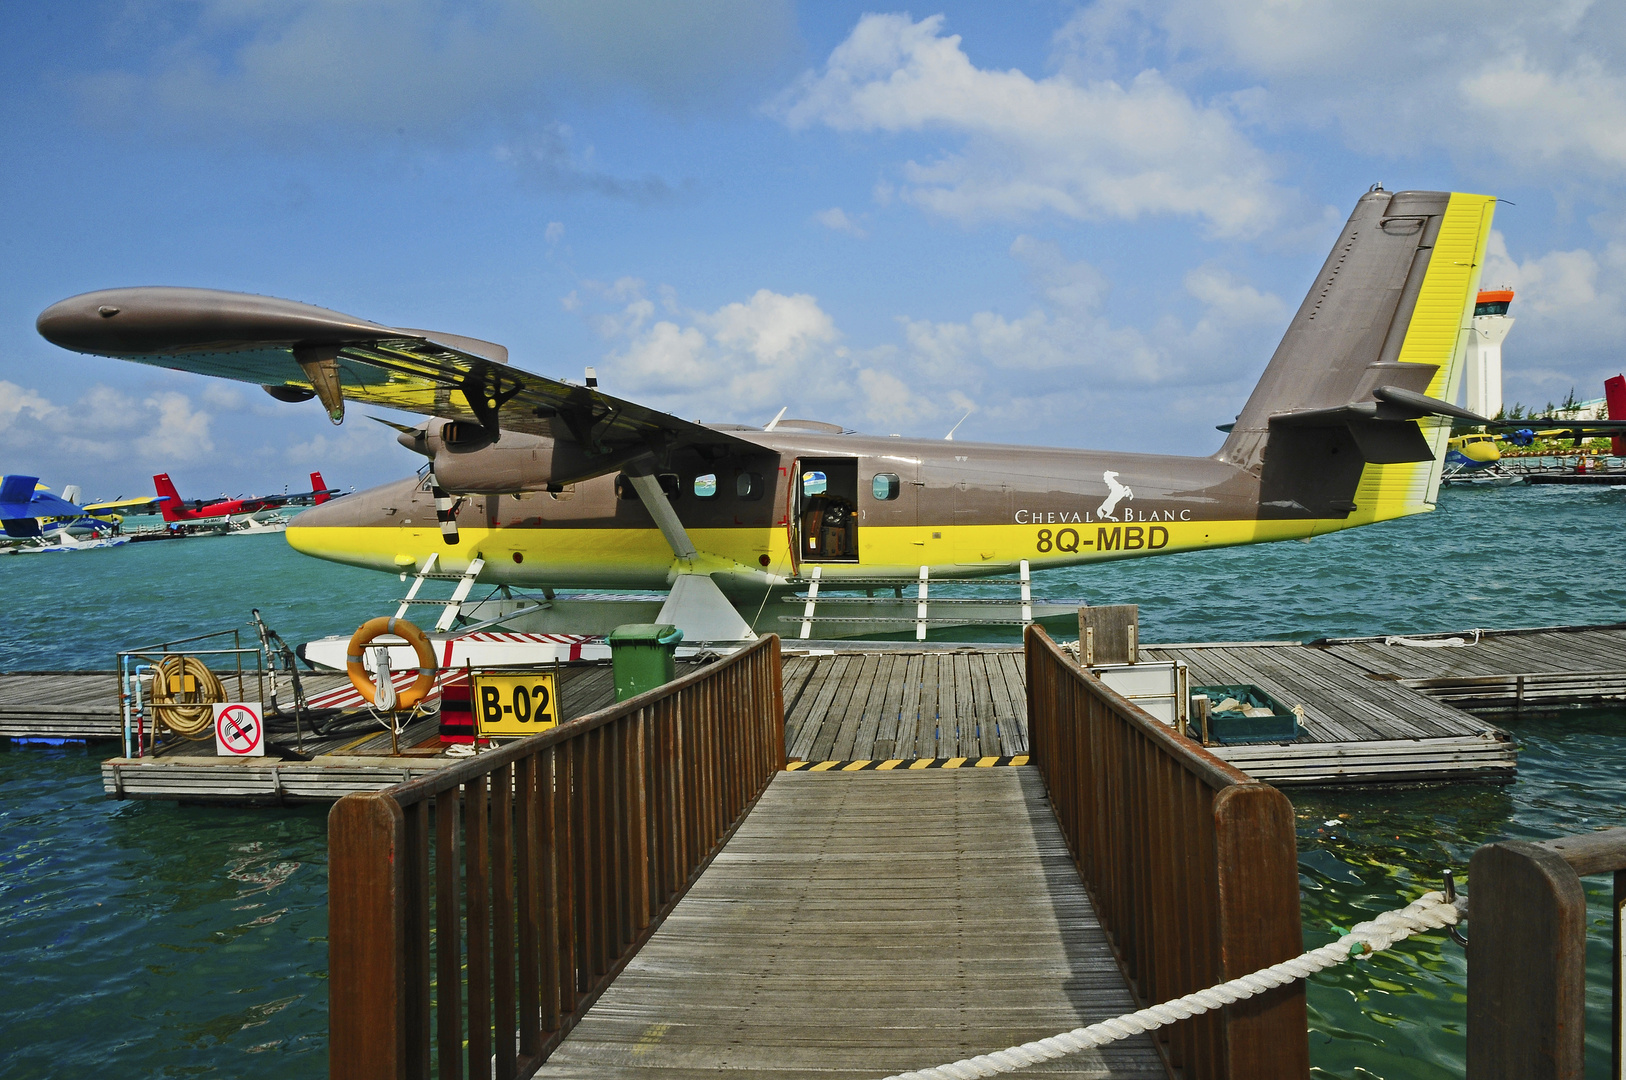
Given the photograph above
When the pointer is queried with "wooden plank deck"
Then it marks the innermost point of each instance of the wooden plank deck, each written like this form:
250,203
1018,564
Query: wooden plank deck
1375,711
827,940
972,703
1501,671
353,755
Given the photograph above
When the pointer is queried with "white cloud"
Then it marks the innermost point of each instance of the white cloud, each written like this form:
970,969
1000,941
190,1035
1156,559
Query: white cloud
340,446
554,233
1569,312
1030,378
224,396
836,218
105,425
1083,149
1522,86
389,68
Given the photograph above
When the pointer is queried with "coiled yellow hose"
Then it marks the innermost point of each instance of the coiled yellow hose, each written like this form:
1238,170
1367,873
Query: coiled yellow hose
188,713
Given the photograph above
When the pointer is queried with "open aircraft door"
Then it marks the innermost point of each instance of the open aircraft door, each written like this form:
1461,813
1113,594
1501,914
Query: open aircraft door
825,509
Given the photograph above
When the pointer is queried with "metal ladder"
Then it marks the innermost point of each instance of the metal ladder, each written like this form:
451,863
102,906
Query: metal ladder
921,619
450,608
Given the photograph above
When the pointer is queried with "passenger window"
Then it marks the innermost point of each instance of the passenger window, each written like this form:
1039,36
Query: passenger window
671,484
705,486
886,486
814,483
748,486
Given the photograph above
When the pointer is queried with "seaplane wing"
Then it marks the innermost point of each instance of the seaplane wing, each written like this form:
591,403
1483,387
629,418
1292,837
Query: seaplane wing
1553,427
149,502
298,351
22,504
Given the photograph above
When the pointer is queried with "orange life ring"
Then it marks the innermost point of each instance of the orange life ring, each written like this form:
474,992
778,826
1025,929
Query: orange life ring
378,627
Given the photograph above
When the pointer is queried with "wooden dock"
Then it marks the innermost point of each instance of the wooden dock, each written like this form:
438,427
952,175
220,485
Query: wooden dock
1376,710
352,756
865,923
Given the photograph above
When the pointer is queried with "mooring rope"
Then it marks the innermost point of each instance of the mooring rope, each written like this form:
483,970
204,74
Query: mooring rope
1431,911
1434,643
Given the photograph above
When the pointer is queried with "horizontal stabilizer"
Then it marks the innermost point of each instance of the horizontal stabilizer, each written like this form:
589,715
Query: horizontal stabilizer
19,499
1383,430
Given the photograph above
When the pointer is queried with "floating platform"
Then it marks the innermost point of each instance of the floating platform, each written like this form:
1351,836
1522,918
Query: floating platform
1376,710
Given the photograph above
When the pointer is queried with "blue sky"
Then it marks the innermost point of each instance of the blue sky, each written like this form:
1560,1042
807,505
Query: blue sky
1086,225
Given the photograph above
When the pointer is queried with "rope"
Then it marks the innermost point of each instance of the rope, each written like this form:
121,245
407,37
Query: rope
1431,911
188,714
1434,643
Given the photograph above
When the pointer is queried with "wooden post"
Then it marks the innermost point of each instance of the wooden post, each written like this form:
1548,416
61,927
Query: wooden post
1618,1013
1109,634
1526,965
367,960
1260,925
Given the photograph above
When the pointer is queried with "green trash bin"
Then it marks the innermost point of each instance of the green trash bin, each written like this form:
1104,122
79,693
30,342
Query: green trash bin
642,655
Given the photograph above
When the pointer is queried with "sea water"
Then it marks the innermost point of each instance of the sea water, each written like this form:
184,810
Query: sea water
148,939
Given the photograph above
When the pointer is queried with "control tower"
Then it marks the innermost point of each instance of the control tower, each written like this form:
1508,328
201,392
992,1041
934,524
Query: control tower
1491,324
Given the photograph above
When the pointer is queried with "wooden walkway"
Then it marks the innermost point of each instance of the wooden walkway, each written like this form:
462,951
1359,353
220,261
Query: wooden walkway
906,704
861,924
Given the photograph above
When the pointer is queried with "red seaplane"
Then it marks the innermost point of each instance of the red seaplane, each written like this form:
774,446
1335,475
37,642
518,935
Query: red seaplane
177,509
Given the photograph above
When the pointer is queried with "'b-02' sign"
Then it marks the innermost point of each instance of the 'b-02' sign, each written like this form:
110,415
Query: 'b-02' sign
512,706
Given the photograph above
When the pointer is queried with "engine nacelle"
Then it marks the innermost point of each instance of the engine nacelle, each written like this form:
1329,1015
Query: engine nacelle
467,462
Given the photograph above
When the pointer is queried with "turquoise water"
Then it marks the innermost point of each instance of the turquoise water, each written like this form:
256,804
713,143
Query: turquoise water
153,940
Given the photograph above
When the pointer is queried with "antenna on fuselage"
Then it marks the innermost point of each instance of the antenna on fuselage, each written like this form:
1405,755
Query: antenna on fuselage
950,436
592,377
775,421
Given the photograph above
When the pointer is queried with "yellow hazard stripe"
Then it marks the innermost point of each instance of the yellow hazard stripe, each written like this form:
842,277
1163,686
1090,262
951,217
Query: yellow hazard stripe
890,764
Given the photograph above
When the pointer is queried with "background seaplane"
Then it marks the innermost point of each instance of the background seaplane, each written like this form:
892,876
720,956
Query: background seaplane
542,483
246,513
37,521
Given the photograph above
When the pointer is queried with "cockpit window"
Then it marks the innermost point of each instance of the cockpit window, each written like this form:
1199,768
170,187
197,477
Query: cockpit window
814,483
885,486
705,486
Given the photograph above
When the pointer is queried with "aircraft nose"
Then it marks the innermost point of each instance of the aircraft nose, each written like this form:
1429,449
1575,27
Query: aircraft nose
87,323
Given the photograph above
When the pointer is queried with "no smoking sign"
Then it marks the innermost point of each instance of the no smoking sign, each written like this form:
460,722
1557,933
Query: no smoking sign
239,730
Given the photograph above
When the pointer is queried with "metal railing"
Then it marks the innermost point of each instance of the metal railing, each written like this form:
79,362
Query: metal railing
1191,866
140,729
1527,933
476,913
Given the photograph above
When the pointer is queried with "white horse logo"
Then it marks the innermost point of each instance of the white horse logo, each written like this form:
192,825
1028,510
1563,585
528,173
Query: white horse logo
1115,492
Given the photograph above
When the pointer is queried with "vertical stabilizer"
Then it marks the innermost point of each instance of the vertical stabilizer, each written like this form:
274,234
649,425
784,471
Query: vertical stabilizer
319,493
1392,307
170,502
1614,397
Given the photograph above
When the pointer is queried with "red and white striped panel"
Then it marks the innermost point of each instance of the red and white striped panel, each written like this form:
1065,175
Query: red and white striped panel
348,697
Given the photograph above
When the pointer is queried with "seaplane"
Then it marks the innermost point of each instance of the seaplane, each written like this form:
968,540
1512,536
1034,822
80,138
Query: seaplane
35,520
549,484
244,514
1475,458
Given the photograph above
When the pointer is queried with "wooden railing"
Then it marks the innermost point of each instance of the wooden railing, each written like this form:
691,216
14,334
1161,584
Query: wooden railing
1190,863
1527,930
476,913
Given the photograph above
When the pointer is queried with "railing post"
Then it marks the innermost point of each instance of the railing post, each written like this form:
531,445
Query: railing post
367,938
1526,965
1260,924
